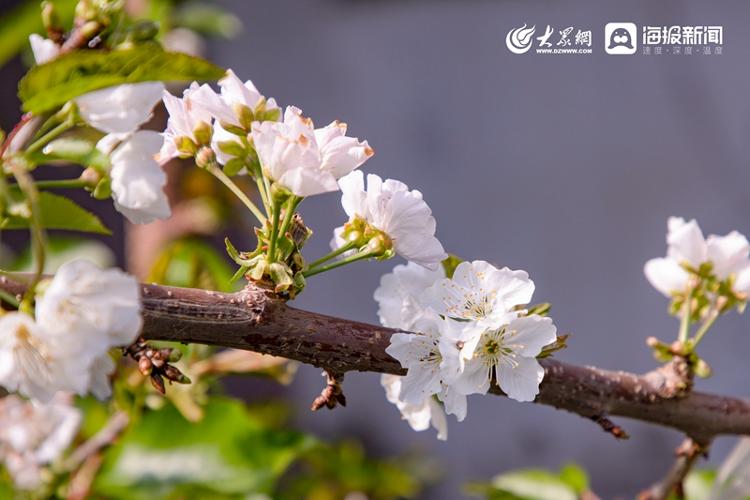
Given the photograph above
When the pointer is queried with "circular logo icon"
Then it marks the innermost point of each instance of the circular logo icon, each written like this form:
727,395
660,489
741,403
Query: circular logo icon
519,40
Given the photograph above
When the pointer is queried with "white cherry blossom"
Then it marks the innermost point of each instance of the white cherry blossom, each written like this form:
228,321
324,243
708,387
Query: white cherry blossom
420,416
120,109
99,309
507,353
400,214
400,294
28,358
291,156
137,178
479,291
33,435
185,114
234,95
728,256
433,358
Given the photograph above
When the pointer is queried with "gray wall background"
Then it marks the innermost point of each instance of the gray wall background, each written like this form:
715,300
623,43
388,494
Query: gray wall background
566,166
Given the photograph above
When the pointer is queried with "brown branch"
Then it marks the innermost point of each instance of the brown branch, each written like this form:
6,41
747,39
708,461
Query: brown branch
687,454
255,320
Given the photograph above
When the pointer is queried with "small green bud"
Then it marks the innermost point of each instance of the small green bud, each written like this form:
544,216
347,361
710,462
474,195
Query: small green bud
299,283
51,22
143,31
702,369
175,355
202,133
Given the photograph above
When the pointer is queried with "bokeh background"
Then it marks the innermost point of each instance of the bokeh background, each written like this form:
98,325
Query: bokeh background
565,166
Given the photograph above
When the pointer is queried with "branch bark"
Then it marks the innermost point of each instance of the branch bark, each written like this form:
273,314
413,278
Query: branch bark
255,320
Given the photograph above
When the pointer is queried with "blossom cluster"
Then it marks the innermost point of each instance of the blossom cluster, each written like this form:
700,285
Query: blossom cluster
471,332
33,435
713,269
246,133
64,346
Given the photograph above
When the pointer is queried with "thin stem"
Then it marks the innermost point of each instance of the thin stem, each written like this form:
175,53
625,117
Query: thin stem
338,263
262,191
707,324
61,184
9,298
276,212
234,188
38,238
46,138
342,249
686,312
291,206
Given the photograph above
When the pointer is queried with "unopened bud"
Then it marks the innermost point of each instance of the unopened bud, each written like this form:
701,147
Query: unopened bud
379,245
175,355
91,177
205,157
143,31
702,369
202,133
145,366
51,22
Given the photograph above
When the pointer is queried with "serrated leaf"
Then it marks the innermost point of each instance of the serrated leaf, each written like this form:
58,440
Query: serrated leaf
50,85
229,452
59,212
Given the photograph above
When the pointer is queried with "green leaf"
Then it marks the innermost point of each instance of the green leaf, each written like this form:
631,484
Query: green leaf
192,263
229,452
17,24
534,484
50,85
208,20
698,485
59,212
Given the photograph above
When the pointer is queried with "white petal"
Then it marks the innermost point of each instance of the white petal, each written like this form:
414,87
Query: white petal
120,109
685,242
729,253
666,275
455,403
531,334
521,381
44,49
138,179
